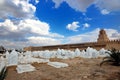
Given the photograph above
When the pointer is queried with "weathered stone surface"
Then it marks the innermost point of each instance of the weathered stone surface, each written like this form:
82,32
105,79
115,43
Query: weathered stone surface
102,36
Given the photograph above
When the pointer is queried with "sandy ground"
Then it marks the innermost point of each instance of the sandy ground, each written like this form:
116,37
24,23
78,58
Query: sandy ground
79,69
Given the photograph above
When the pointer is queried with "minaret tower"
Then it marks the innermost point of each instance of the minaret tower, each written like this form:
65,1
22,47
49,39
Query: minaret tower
102,36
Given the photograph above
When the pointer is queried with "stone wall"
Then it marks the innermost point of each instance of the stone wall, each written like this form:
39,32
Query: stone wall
97,45
113,44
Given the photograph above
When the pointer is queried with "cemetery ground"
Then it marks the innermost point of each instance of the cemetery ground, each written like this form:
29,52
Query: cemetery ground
78,69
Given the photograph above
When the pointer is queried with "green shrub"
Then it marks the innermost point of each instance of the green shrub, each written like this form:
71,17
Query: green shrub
114,57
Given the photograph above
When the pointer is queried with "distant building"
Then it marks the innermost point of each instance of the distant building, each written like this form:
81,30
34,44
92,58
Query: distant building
102,42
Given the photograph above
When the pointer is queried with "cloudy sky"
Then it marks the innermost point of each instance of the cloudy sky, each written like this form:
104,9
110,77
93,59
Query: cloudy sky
51,22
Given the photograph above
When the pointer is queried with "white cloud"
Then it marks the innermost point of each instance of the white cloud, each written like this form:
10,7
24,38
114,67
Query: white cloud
56,35
104,12
36,1
8,25
57,3
34,26
87,19
85,37
105,6
92,36
24,27
113,34
12,44
27,27
16,8
37,41
31,41
73,26
116,35
78,5
109,5
27,32
86,25
8,30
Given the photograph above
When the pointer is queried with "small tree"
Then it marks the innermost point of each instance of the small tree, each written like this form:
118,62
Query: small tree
114,57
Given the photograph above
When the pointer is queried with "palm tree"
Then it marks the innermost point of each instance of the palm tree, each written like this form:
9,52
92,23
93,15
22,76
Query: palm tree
114,57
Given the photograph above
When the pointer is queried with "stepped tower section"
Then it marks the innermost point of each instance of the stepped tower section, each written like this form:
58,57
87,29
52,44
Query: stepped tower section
102,37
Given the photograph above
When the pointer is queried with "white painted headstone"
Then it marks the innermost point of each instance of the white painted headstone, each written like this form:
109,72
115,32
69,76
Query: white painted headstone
25,68
13,58
77,52
2,63
57,64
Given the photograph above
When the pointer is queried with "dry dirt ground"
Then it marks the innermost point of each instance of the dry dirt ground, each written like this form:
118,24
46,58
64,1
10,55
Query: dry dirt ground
79,69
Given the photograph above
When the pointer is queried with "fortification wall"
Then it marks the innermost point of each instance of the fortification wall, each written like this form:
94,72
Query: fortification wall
113,44
97,45
81,46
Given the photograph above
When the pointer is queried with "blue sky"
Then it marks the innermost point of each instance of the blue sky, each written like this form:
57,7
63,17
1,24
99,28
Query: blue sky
51,22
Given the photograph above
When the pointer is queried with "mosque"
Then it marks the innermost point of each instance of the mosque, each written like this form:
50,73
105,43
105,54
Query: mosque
102,42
